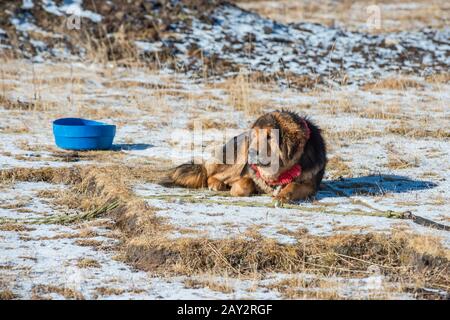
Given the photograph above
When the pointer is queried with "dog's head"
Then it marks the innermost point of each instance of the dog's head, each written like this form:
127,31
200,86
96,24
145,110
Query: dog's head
277,141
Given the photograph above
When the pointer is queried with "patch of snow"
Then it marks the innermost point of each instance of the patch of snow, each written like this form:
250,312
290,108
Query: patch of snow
27,4
71,7
22,24
147,46
51,7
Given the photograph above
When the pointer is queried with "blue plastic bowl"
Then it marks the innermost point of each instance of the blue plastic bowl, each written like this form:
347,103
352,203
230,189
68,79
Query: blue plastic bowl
82,134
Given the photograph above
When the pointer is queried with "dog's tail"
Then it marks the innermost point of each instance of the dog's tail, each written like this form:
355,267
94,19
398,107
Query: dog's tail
189,175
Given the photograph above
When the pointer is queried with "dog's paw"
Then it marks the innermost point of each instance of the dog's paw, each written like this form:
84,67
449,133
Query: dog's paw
280,200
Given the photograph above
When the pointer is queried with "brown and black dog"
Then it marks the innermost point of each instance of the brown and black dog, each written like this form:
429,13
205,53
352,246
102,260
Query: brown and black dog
283,155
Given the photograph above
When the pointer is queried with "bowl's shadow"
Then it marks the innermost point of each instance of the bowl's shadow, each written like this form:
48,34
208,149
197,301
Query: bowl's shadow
131,146
372,185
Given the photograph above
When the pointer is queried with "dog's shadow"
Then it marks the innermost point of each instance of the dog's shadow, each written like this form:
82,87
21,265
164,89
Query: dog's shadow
371,185
131,146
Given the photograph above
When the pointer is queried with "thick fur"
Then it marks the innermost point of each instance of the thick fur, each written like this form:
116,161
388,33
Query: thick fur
293,147
190,176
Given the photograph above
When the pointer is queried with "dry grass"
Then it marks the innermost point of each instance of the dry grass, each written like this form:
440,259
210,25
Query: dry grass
88,263
341,105
306,288
335,138
88,243
102,112
211,124
36,105
39,290
7,295
393,84
15,227
439,78
81,234
107,291
398,162
240,96
14,130
406,130
209,283
391,112
336,167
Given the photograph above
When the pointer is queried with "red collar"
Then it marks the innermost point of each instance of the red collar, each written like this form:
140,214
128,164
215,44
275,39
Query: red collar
289,175
284,178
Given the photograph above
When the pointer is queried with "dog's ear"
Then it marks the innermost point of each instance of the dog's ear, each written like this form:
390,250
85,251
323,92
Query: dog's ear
290,145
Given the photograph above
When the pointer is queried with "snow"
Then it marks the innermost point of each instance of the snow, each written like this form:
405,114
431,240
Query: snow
147,46
71,7
27,4
50,7
22,24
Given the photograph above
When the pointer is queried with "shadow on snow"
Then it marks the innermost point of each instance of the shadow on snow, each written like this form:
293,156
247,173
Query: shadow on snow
132,146
372,185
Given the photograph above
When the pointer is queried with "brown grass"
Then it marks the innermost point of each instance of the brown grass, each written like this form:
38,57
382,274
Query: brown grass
101,112
14,130
88,263
36,105
337,138
397,162
88,243
39,290
341,105
240,97
393,84
406,130
381,112
7,295
438,78
106,291
212,124
306,288
15,227
210,284
337,167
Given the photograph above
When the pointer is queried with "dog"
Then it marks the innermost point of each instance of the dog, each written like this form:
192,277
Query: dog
283,155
